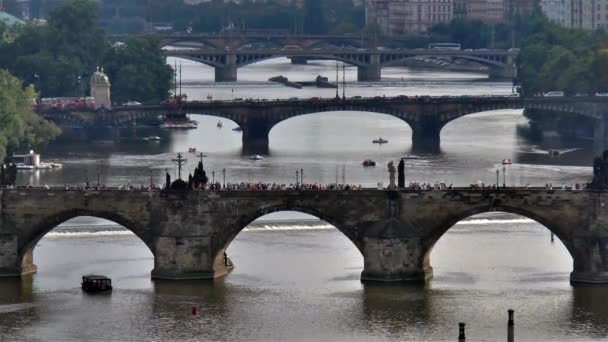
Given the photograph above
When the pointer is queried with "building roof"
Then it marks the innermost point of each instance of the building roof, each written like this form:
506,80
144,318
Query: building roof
9,19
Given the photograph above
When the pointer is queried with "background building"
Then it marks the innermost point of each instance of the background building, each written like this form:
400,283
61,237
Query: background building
600,14
558,11
401,17
488,11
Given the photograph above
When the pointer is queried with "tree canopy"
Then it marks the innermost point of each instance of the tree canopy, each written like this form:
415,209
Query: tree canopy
59,58
19,125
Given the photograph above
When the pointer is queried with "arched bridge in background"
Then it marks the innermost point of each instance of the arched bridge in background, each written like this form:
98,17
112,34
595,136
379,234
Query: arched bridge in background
425,115
369,62
395,230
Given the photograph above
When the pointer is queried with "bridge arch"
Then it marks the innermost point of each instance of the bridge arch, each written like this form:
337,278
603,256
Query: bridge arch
46,224
444,226
228,236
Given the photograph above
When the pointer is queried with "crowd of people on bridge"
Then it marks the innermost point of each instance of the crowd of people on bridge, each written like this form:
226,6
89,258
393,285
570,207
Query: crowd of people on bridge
260,186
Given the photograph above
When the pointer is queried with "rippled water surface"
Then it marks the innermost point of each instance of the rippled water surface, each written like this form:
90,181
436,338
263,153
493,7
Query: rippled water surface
297,278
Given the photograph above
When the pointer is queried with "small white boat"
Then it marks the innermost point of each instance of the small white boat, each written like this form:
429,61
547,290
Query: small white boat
506,162
256,157
152,138
379,141
411,156
219,124
31,161
192,149
21,166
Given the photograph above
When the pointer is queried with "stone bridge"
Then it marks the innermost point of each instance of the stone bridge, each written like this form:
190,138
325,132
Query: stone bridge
425,115
369,62
395,231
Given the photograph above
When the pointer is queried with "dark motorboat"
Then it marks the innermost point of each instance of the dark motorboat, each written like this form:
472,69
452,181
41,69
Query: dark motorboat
96,283
369,162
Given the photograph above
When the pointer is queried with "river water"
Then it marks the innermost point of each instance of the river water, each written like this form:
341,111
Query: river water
297,278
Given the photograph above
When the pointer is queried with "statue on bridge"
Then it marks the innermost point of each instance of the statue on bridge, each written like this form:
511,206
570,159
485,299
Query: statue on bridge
401,174
600,172
8,174
199,179
391,175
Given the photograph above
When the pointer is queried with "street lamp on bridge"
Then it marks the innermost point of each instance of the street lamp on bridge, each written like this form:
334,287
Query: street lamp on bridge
224,175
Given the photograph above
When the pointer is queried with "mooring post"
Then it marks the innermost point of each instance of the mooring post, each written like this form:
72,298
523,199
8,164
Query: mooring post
511,327
461,336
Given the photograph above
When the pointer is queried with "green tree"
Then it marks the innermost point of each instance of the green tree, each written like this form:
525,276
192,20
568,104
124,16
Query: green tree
314,17
19,125
138,71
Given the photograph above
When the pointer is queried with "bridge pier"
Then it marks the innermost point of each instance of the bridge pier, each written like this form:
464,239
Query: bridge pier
590,261
369,73
255,136
11,263
426,136
395,260
502,73
299,60
179,258
226,73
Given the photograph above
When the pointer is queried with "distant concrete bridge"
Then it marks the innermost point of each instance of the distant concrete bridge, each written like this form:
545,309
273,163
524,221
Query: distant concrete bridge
395,231
239,39
369,62
425,115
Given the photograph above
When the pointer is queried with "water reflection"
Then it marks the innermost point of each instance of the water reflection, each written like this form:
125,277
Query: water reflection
16,290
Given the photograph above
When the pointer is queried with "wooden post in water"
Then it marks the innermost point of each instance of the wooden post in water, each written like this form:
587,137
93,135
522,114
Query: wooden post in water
510,327
461,336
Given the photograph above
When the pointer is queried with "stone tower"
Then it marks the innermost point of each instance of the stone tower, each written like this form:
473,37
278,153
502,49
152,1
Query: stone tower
100,89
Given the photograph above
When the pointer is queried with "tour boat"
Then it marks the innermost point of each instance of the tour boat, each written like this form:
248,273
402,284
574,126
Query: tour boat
219,124
379,141
369,162
256,157
96,283
192,149
237,129
31,161
506,162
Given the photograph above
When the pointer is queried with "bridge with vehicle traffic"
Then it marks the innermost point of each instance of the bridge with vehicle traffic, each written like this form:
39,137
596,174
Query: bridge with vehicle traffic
425,115
369,62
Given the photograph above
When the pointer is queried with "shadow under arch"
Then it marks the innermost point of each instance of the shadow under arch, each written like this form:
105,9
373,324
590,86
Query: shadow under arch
437,233
48,223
